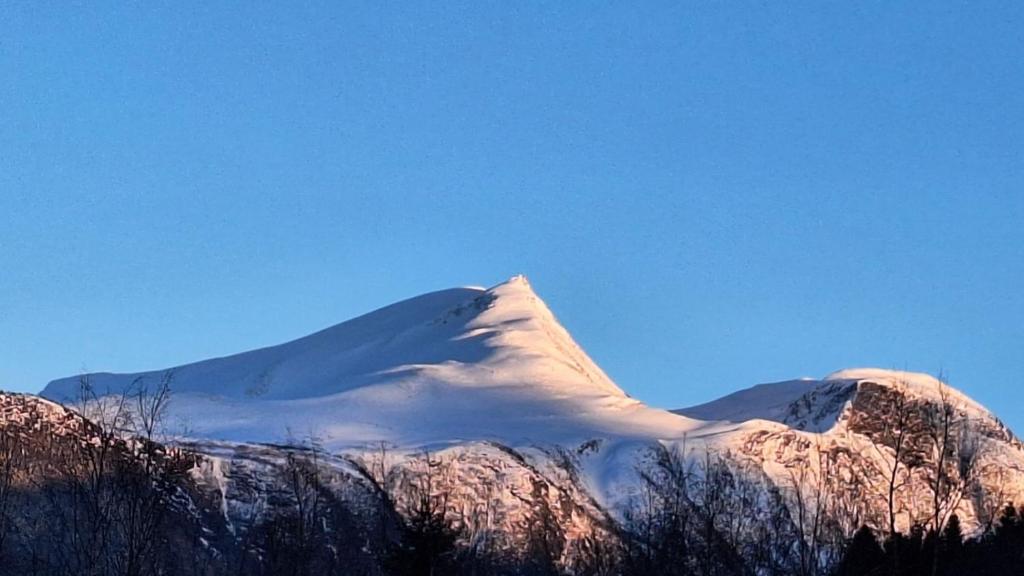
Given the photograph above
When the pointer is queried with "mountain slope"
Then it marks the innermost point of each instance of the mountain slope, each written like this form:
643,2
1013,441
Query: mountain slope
452,365
818,405
455,370
770,401
850,430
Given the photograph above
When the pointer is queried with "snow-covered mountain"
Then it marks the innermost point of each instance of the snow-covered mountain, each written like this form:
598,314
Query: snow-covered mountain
857,429
489,380
454,365
810,404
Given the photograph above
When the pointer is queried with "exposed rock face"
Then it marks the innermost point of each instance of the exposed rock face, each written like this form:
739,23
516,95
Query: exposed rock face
481,397
223,502
502,501
907,429
837,444
77,498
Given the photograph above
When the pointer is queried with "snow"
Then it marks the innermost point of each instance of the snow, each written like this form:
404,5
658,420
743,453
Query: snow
921,385
791,402
442,368
461,368
464,365
765,402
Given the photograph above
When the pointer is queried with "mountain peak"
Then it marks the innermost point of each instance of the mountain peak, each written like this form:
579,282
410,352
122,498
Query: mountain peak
517,284
818,404
472,358
518,279
918,384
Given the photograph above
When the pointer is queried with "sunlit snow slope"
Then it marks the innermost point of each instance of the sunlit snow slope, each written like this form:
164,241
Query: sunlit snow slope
448,366
459,368
817,405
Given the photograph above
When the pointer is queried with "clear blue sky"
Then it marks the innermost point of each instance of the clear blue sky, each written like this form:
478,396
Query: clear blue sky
709,195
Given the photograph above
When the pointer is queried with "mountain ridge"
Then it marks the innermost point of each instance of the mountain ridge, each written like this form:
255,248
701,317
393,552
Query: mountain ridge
454,370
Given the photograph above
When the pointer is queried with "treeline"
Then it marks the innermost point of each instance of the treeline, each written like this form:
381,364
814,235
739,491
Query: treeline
835,511
102,497
711,517
999,551
706,516
93,496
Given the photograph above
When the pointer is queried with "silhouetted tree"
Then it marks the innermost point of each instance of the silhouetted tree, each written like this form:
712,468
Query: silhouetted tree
12,460
863,556
428,537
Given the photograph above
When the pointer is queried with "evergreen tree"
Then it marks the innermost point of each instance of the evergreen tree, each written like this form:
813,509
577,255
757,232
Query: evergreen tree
952,545
1010,523
1008,542
863,555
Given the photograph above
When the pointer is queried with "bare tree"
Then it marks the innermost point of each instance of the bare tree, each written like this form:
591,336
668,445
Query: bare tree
810,496
712,499
292,538
87,476
660,521
304,483
109,501
940,421
141,480
891,445
151,406
429,535
380,471
951,471
11,462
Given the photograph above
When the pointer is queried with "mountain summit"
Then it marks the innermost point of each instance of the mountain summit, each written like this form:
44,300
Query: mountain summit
454,364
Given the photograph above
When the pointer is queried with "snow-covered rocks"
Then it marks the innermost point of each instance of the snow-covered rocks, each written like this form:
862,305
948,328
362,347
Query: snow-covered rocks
486,376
